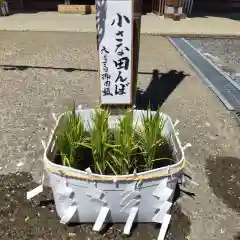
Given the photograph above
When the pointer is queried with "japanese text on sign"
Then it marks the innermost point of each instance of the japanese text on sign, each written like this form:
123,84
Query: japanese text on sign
115,53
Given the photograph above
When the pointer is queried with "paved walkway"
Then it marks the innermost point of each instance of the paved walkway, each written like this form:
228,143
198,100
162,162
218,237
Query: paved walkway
151,24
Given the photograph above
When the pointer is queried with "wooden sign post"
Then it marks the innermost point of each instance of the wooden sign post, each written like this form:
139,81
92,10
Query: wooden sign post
118,34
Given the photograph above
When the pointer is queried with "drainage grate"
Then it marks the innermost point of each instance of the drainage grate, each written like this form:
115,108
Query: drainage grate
226,91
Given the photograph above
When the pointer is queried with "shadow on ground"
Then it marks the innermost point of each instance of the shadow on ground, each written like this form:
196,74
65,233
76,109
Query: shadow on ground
15,67
221,11
10,67
37,219
237,237
224,178
232,16
159,89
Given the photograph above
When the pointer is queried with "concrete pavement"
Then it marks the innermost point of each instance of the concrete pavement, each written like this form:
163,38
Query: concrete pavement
151,24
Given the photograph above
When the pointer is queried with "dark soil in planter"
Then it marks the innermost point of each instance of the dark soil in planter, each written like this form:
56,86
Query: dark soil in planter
85,159
224,178
37,220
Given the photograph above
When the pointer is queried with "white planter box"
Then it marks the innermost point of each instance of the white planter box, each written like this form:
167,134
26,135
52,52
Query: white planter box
81,196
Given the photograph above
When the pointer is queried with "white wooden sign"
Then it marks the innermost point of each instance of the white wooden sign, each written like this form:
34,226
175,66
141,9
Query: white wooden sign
114,19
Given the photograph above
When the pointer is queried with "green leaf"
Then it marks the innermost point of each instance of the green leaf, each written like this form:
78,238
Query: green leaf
111,167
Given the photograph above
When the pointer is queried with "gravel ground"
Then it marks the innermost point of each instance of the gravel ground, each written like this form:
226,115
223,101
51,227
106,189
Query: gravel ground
225,53
43,72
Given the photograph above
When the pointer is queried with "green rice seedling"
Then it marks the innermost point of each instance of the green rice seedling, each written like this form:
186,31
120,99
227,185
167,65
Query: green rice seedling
124,153
99,140
149,137
119,150
70,137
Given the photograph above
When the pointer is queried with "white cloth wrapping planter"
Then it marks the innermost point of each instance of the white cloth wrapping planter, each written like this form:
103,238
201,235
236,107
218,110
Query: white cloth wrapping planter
90,197
82,196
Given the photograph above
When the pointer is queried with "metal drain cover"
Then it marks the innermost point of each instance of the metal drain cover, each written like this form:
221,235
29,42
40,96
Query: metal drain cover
224,87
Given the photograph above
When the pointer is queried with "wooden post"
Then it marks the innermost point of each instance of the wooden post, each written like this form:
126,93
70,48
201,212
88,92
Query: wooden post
137,11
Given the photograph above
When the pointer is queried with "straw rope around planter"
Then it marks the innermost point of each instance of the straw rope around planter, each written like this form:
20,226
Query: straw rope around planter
169,172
